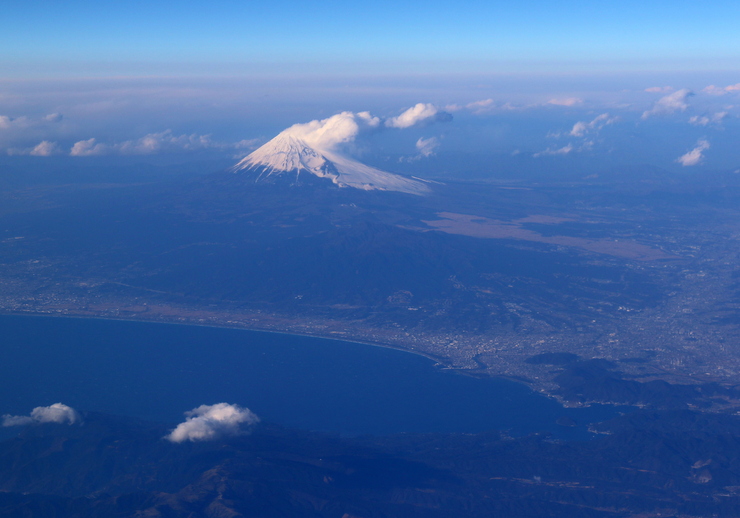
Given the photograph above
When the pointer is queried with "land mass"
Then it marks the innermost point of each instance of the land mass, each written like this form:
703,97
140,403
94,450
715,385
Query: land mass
481,277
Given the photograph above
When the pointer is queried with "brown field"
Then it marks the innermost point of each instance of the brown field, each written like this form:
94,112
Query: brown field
475,226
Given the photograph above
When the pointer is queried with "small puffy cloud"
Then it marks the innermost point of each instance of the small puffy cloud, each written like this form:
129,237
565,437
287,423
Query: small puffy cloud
720,90
53,117
422,112
567,101
338,129
659,89
556,151
212,422
56,413
696,155
89,147
581,128
671,103
45,148
705,120
427,147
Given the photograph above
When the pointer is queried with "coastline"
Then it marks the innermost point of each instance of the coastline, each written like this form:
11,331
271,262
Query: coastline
438,361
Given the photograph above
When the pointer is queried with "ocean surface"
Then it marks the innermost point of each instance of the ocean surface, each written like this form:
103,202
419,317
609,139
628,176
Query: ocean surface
158,371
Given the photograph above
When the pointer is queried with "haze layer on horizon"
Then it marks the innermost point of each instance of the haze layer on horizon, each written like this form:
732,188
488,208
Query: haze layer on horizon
532,86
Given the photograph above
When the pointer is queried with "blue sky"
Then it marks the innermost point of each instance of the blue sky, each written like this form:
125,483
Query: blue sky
85,38
651,82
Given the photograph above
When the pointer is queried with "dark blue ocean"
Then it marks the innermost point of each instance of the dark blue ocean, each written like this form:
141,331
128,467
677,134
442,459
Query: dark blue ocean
158,371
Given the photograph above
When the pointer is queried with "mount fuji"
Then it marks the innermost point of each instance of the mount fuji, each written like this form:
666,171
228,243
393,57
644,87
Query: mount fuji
289,158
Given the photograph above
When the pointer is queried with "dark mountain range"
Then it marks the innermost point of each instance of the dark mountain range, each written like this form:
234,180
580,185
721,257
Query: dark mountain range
673,463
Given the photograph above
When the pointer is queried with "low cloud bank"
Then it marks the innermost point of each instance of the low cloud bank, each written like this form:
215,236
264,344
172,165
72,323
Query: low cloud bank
56,413
213,422
164,141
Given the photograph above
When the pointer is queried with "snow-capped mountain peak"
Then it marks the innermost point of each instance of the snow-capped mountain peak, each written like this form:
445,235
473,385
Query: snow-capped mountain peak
288,154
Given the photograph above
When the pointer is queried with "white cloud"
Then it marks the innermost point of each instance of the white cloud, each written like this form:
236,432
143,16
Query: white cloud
567,101
558,151
427,147
89,147
164,141
342,128
53,117
580,129
45,148
659,89
17,133
477,107
56,413
7,122
719,90
212,422
422,112
671,103
338,129
695,156
705,120
152,143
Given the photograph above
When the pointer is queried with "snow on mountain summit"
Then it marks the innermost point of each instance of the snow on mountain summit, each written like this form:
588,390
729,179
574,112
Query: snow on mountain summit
290,153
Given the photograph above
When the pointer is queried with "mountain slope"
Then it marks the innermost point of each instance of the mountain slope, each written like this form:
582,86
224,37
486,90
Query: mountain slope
289,157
